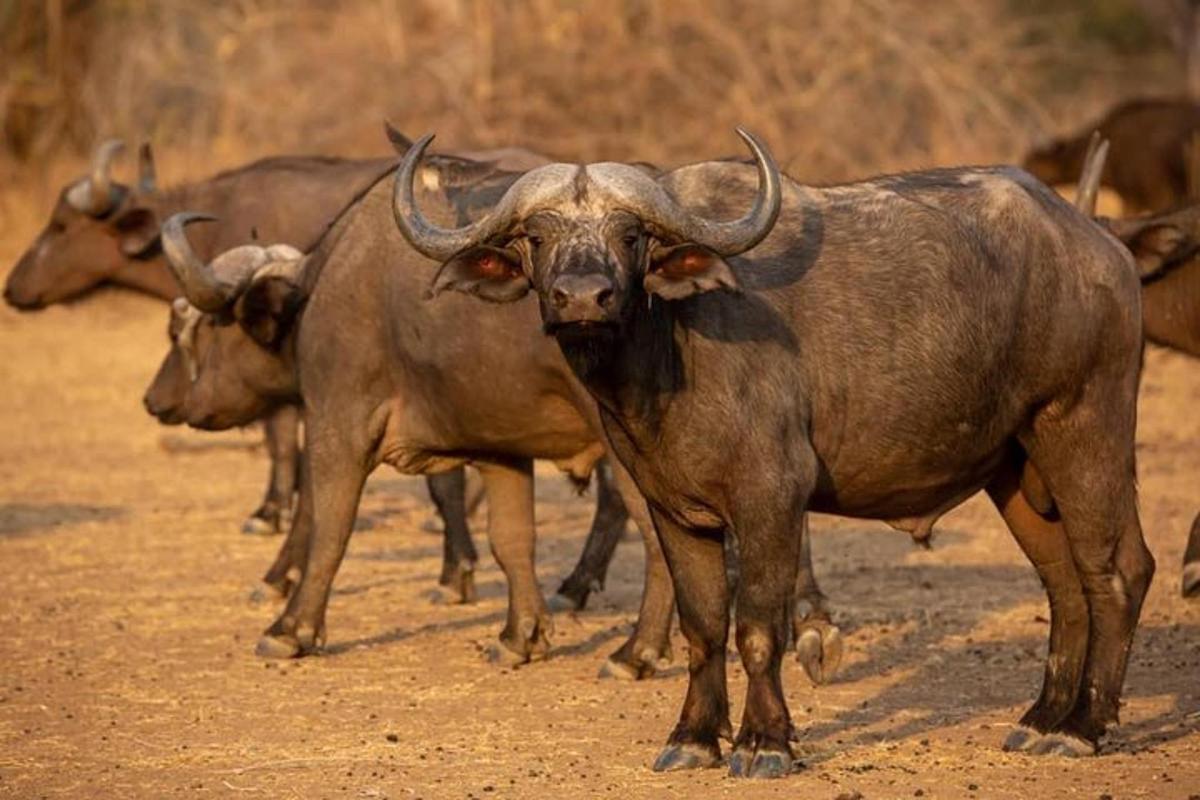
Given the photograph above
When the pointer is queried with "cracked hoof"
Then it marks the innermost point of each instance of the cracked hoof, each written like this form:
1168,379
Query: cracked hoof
687,756
1191,580
1027,740
746,763
819,649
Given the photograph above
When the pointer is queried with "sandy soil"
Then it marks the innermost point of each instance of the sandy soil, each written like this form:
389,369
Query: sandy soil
127,666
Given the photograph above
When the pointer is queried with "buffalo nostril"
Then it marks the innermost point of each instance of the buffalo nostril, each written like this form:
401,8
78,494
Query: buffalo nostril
559,297
604,297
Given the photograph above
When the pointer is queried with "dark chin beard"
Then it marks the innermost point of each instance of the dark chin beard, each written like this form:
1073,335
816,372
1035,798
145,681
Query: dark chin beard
587,346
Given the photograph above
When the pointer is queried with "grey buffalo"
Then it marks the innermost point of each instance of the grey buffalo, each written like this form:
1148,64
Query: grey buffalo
884,350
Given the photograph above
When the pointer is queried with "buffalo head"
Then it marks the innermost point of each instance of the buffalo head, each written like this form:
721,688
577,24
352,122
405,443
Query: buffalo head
230,357
590,240
98,228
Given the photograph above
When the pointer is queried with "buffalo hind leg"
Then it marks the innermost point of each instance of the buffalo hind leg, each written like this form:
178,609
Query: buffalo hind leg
1044,542
697,562
509,488
459,558
1191,562
649,646
282,433
607,527
337,470
1085,457
818,641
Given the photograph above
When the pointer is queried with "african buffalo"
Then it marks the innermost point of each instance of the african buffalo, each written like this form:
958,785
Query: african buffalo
385,377
102,231
883,350
1153,145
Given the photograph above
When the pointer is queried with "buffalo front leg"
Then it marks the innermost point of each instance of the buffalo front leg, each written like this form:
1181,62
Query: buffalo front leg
697,562
769,555
448,491
649,646
282,430
509,487
607,527
818,640
337,470
1191,562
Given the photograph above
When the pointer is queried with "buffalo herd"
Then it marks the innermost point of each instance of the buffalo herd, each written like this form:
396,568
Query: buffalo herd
722,347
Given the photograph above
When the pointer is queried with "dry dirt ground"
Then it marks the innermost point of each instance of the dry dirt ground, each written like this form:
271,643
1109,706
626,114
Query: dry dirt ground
126,636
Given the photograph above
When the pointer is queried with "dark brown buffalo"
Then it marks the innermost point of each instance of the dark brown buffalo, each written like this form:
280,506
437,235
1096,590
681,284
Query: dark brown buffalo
1153,150
883,350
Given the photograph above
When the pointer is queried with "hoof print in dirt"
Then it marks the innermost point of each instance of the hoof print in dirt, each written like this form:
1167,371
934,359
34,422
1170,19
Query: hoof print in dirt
747,763
686,756
819,649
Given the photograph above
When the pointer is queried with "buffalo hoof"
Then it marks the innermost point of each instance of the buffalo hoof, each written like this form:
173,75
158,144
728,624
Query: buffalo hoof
819,649
528,639
267,521
286,639
747,763
1027,740
562,604
1191,580
687,756
460,579
265,593
632,663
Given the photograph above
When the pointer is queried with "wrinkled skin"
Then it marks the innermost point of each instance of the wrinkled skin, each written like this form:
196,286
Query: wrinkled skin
409,383
1147,166
891,348
1167,249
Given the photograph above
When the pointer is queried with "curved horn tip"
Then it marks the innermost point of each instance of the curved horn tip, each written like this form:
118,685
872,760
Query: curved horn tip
185,217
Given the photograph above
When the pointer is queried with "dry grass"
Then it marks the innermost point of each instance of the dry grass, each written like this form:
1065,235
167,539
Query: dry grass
840,88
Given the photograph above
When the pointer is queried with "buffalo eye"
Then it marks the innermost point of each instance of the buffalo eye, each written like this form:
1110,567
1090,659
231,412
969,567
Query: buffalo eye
491,266
534,241
630,240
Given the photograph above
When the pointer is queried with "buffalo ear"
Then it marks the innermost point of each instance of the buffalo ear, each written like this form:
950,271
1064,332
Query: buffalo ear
267,310
490,273
687,269
1154,245
137,230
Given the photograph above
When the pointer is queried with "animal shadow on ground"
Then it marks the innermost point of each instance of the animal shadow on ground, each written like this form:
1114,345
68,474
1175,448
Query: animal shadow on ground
948,655
28,519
